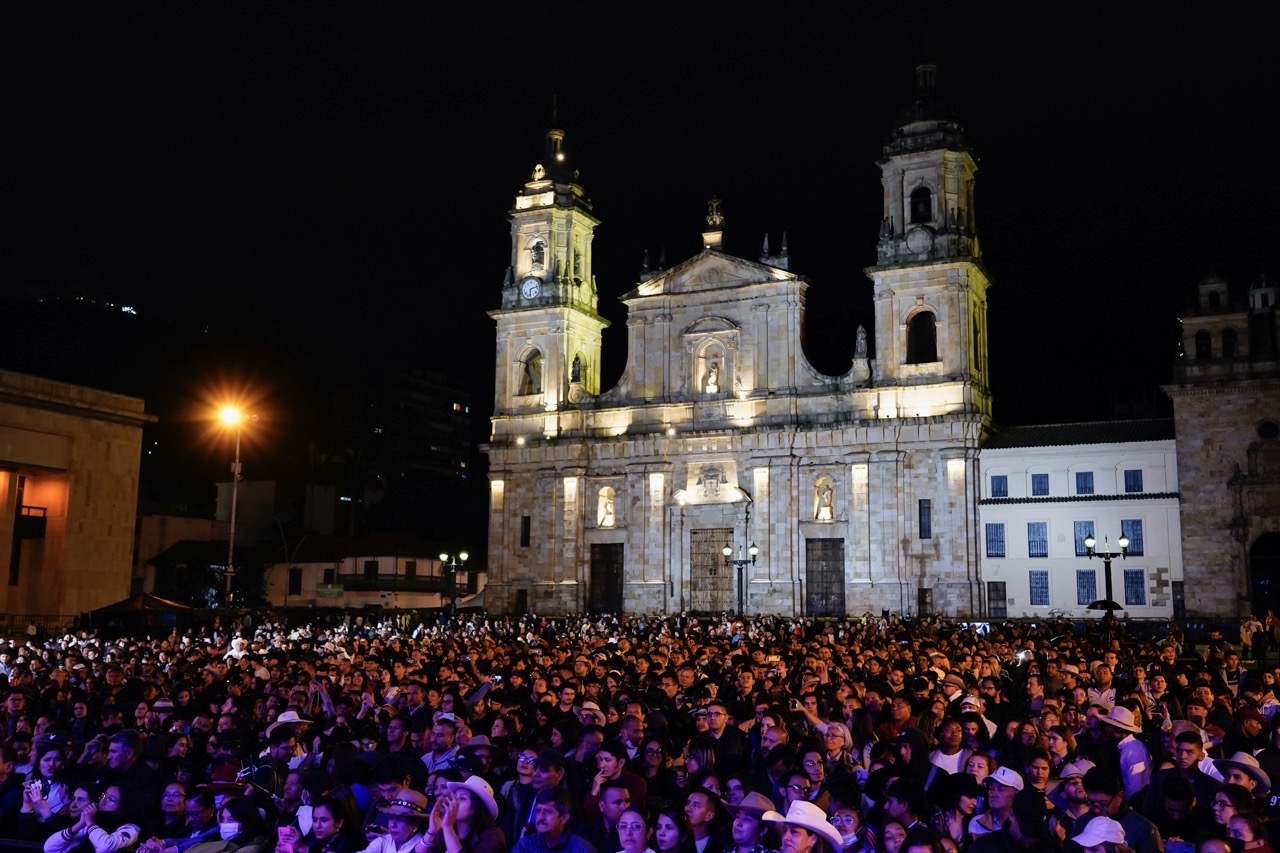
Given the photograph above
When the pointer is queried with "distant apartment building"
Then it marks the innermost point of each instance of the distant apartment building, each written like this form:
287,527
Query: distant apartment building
1047,489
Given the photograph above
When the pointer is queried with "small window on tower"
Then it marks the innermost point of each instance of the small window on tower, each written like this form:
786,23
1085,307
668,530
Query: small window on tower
921,205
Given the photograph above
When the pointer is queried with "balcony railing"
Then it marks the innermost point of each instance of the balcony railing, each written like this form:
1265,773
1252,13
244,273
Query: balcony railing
357,582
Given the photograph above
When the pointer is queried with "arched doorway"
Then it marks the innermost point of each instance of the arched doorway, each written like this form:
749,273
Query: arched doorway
1264,574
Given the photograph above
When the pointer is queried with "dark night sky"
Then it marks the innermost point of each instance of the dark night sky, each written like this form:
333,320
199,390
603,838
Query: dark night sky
321,188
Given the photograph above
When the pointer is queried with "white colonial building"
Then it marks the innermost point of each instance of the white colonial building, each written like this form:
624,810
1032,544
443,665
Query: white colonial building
1047,489
858,491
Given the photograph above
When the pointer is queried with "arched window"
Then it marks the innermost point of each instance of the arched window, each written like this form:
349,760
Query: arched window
1204,346
921,205
922,338
531,374
1229,343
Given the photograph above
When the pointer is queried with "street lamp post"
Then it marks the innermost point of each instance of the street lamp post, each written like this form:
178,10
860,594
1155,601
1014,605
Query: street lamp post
740,563
1107,555
451,564
232,417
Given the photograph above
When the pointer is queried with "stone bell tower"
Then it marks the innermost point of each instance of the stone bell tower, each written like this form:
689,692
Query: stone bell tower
548,329
930,284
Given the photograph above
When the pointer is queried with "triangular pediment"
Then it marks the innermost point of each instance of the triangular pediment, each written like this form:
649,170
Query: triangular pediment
710,270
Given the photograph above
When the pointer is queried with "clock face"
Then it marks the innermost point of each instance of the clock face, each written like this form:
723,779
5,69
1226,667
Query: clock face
530,288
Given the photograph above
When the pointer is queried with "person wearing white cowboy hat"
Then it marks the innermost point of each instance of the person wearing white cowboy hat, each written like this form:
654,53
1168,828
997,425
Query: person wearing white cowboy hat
287,717
803,828
406,812
1243,769
1135,759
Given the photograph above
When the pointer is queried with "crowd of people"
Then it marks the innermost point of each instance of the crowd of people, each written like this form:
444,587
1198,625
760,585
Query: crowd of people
640,735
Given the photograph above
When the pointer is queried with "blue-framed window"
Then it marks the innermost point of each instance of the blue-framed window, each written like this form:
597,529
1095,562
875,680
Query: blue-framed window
995,540
1083,529
926,519
1037,539
1133,480
999,485
1039,485
1084,482
1132,527
1086,586
1135,587
1039,587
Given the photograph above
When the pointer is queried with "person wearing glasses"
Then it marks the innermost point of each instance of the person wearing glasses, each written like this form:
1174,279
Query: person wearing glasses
633,832
733,751
796,786
853,833
1106,799
106,825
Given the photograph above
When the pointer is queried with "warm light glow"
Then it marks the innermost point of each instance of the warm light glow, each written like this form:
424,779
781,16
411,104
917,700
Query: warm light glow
955,468
727,551
230,415
520,440
1089,542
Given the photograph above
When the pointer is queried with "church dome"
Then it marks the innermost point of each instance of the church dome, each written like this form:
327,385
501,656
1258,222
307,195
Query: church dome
1263,282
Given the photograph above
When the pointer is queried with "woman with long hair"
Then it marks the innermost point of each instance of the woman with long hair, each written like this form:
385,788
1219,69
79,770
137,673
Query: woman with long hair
464,821
334,825
47,787
653,764
892,834
1061,742
1229,801
959,801
241,827
1251,831
671,831
862,735
699,757
107,825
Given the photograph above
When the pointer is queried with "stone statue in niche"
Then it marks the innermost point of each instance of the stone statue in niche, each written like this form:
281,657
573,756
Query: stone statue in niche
575,371
537,254
823,500
604,509
713,377
539,172
860,350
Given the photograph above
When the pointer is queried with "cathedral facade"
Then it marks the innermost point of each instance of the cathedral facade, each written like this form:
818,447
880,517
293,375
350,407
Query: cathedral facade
723,472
